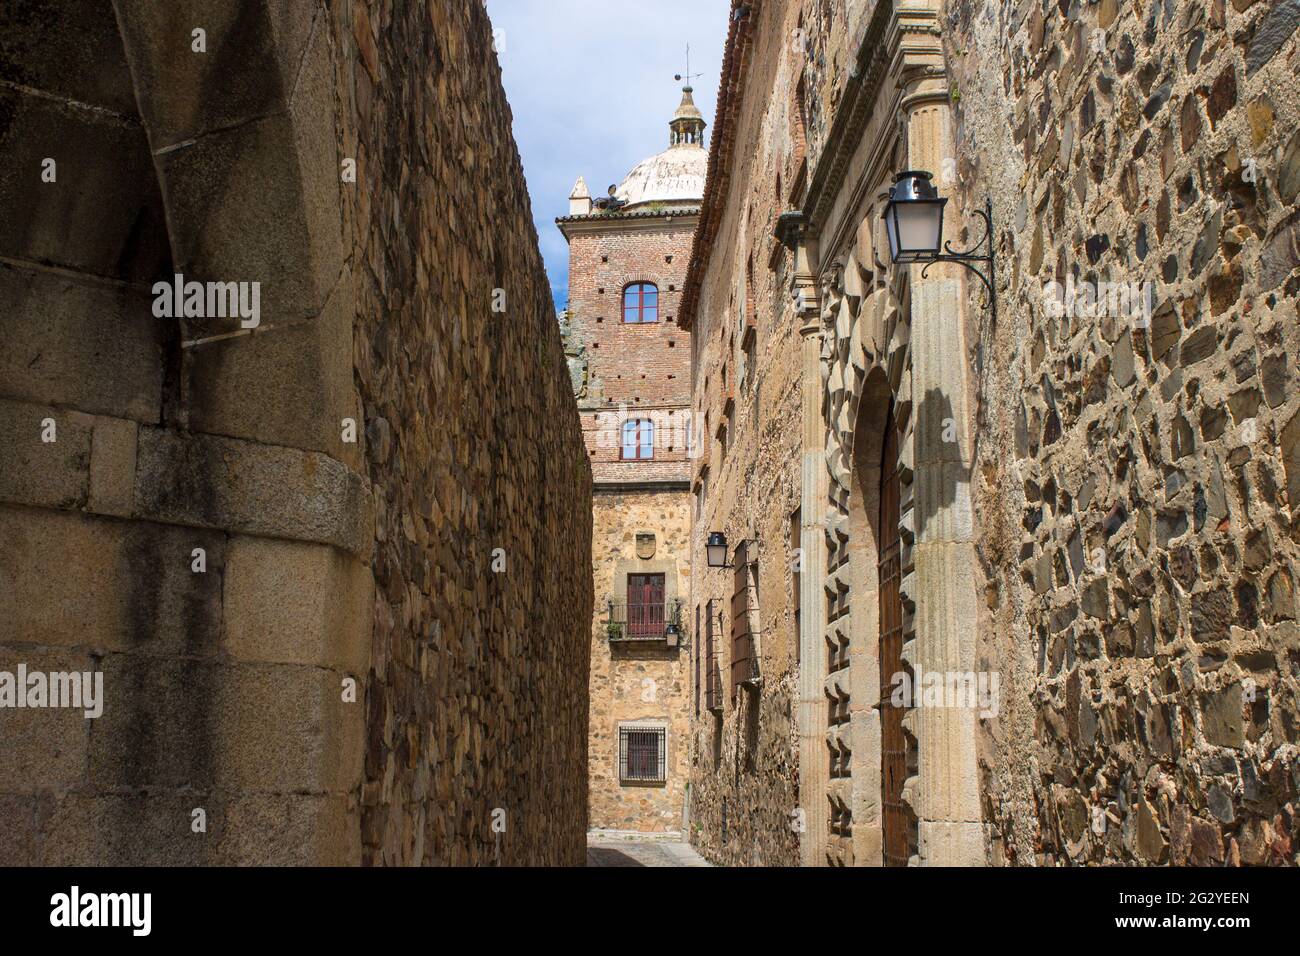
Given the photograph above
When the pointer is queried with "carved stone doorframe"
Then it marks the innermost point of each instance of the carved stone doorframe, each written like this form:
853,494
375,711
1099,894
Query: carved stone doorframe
887,335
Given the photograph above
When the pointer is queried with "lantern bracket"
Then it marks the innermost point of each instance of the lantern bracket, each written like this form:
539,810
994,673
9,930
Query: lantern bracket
974,254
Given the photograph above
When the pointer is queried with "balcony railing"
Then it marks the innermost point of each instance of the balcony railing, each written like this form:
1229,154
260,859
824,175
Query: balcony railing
644,622
744,661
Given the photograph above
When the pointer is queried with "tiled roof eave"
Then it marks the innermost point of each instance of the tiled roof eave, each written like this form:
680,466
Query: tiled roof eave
717,177
616,216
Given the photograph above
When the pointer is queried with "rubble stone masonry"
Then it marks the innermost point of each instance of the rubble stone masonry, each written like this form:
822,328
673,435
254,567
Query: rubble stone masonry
477,714
1098,505
744,766
278,545
635,682
1137,481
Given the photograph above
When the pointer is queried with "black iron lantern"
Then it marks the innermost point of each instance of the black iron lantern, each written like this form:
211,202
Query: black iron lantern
914,222
716,547
673,626
914,218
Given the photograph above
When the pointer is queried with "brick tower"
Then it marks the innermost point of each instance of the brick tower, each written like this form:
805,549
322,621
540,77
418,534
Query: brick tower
631,365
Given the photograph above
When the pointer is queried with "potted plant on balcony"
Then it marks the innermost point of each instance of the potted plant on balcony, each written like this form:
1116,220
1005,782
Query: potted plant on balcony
614,630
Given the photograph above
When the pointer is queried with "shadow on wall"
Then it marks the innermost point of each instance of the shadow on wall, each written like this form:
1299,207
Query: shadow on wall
937,436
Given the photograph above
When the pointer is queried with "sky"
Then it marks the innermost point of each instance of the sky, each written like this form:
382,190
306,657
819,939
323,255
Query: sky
591,87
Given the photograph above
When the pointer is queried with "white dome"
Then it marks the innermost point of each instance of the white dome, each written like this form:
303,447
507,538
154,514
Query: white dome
674,176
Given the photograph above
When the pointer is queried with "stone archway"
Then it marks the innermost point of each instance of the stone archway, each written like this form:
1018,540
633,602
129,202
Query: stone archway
876,556
874,459
244,142
887,334
202,538
287,598
873,358
866,350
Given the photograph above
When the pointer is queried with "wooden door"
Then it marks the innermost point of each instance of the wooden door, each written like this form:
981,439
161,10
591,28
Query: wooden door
645,605
892,747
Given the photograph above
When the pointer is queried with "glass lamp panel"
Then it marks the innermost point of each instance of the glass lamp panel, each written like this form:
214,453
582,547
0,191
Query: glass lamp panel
891,230
918,227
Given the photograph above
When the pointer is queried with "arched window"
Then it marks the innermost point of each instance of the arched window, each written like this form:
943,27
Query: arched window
641,302
638,439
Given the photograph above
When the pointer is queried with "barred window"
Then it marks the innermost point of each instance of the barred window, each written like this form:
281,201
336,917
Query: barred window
712,673
642,754
744,607
696,661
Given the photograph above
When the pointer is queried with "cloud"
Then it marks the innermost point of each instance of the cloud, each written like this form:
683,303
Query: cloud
591,88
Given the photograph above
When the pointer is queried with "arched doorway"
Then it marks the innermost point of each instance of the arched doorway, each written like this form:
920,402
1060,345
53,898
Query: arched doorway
885,752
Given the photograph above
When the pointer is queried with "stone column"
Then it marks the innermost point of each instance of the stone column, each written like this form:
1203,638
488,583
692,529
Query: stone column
814,768
945,797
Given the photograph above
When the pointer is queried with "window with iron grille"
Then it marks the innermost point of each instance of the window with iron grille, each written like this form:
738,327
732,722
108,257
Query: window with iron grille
747,362
744,657
712,672
696,684
646,613
642,754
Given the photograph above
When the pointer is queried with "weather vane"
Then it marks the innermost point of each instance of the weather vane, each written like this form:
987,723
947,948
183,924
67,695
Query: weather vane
688,75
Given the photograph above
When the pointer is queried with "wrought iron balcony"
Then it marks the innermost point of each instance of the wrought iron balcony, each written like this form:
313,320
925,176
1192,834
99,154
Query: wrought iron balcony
744,661
639,623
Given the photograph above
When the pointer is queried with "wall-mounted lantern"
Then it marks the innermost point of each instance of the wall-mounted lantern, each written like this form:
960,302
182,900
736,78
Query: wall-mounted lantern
914,223
716,548
914,218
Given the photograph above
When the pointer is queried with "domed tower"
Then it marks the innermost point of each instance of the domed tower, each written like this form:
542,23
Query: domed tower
673,179
628,254
687,124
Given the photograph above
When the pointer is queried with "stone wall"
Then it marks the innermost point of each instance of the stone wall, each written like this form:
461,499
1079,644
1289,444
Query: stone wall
482,488
635,681
1136,486
232,525
181,516
744,770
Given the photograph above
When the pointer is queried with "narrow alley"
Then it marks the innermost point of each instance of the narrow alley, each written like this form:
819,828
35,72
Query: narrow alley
896,465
